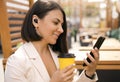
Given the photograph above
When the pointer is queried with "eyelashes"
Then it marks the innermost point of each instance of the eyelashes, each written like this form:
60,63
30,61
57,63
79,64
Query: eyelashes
56,23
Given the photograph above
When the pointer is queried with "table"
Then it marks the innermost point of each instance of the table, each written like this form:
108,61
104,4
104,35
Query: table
109,60
110,44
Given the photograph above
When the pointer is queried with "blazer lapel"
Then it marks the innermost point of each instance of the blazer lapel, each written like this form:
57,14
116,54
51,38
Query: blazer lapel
36,61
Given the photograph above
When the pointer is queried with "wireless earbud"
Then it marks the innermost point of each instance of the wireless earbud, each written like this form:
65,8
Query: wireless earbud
35,20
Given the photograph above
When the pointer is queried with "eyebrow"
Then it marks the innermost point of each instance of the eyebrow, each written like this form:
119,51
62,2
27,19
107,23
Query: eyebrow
58,20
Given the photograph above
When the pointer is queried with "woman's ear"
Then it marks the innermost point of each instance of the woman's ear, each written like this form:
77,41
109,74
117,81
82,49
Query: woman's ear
35,20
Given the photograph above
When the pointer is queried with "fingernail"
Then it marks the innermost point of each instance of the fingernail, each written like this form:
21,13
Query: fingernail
73,64
96,48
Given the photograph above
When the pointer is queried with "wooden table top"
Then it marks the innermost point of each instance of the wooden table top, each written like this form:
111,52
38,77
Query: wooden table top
110,44
109,60
104,55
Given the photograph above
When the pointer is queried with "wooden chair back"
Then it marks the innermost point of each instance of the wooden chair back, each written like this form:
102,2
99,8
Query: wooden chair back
12,13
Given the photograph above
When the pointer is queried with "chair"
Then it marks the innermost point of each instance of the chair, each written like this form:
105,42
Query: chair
12,14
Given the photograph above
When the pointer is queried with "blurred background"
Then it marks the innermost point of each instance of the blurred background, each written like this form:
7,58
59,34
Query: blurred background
86,21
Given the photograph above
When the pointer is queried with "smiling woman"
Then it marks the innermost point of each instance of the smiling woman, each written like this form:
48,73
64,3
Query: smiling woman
52,24
44,31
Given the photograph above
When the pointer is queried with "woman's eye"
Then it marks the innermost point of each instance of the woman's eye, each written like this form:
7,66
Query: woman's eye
56,23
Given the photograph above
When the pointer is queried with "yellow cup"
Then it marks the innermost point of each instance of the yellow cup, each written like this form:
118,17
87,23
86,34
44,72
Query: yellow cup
64,62
66,59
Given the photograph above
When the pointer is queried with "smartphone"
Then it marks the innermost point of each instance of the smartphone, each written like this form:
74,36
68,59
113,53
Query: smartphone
98,44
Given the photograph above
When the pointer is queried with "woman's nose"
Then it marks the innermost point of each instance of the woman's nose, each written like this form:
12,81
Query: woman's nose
60,29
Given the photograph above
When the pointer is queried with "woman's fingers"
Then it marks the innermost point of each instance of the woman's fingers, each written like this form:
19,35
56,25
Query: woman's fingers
69,78
91,58
94,59
68,73
68,68
96,53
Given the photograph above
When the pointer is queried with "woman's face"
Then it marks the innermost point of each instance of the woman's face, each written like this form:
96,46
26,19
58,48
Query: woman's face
50,27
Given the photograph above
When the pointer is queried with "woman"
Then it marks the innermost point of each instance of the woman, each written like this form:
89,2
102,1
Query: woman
44,32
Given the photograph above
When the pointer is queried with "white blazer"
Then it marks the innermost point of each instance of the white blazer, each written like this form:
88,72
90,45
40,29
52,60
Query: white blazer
25,65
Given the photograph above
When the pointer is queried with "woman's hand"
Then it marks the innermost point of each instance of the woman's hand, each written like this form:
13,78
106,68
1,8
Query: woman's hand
65,75
91,67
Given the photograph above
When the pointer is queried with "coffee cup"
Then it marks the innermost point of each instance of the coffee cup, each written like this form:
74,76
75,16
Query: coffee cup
66,59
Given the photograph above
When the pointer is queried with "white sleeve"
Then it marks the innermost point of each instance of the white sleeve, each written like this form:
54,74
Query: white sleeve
82,78
15,69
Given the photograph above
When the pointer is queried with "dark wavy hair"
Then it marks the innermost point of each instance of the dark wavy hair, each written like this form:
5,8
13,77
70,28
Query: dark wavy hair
41,8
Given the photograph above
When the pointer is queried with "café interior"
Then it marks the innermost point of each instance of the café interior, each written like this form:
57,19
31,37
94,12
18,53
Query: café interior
87,20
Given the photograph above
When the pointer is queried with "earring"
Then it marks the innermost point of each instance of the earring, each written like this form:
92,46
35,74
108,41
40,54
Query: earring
35,20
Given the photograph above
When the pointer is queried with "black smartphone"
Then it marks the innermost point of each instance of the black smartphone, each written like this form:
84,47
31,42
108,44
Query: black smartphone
98,44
